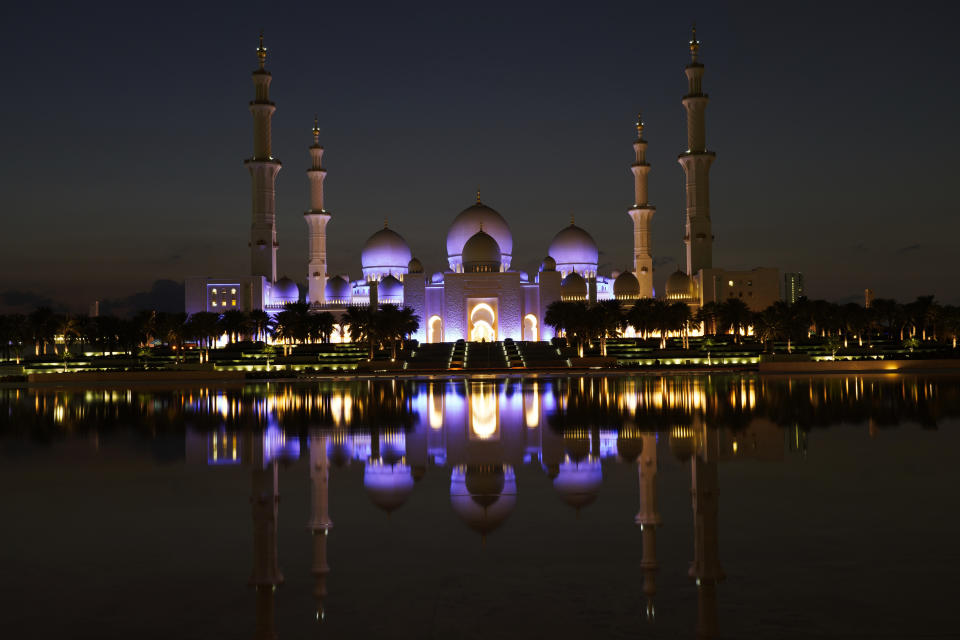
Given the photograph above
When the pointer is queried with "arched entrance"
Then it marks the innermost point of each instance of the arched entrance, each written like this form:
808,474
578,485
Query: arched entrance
530,329
483,323
435,329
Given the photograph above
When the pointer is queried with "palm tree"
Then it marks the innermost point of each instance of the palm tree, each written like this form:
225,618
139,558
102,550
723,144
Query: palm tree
259,321
233,322
682,320
735,314
641,316
708,315
607,316
320,326
42,329
360,322
203,326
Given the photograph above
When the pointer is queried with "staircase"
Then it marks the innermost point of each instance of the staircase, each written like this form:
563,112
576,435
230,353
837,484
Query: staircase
431,356
486,355
536,355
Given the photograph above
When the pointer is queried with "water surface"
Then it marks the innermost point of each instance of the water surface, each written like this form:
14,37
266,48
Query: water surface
657,507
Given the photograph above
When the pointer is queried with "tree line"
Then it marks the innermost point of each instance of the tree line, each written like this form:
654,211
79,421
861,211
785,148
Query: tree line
45,333
921,320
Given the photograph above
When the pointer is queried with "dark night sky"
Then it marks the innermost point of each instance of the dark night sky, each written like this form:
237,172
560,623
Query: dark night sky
125,131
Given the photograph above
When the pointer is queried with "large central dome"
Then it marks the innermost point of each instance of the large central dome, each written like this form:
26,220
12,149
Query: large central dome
468,223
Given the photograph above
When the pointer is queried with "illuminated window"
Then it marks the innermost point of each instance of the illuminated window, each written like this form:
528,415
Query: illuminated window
730,283
214,292
233,303
233,291
213,303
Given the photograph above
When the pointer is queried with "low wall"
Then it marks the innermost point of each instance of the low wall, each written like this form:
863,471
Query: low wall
828,366
135,376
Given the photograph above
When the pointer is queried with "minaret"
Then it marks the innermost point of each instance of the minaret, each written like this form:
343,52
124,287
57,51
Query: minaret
265,575
641,214
317,218
320,523
649,518
263,176
696,163
705,568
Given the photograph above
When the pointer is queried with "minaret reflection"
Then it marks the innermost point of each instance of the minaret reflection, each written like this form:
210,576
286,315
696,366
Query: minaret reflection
320,523
705,568
649,518
264,499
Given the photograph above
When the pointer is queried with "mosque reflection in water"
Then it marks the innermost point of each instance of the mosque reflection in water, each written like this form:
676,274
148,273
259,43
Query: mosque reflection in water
479,432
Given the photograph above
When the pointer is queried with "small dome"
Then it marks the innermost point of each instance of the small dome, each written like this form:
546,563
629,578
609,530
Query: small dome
578,483
549,264
414,266
284,290
679,286
340,451
468,222
387,485
437,278
573,287
683,443
481,253
385,252
337,289
615,274
483,496
524,276
629,444
626,286
574,250
390,287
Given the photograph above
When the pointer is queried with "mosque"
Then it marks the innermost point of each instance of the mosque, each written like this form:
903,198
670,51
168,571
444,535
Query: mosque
478,295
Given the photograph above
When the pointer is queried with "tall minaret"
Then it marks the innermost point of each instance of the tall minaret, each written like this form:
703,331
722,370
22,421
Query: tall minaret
696,163
264,501
649,518
320,523
705,568
317,218
641,214
263,175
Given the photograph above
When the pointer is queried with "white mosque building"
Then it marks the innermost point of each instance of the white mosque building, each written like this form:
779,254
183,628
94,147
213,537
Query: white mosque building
478,296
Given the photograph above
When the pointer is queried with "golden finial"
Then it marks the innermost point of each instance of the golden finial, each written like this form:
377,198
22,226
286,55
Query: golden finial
694,43
571,220
316,130
639,125
384,222
481,227
261,51
478,196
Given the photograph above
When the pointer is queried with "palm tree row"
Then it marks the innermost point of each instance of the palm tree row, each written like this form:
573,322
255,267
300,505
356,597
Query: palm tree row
379,327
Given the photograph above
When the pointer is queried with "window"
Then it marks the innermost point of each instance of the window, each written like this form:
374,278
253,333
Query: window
233,291
213,303
730,283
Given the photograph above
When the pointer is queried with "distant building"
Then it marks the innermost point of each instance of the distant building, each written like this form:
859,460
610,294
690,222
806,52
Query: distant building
793,287
758,288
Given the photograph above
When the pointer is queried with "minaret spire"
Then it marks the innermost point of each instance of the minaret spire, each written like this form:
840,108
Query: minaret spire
696,161
641,214
649,518
316,218
320,523
263,169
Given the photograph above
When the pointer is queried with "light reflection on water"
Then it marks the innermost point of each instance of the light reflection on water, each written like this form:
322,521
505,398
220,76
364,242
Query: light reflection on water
478,435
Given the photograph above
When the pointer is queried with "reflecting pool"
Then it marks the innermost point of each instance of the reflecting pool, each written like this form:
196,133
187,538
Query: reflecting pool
677,506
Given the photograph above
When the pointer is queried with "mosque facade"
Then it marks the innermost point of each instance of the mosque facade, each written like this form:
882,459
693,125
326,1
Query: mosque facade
478,295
